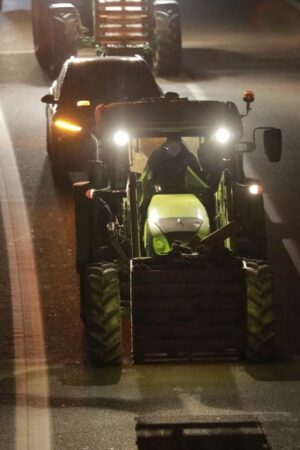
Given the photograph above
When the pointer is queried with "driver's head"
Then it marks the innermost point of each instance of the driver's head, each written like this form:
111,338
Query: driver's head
173,145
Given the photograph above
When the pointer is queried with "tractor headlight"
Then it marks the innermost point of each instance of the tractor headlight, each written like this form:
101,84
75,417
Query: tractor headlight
66,125
153,217
121,138
222,135
255,189
160,244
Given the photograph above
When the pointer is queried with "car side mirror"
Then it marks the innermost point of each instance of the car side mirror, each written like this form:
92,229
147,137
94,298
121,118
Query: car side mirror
49,99
273,144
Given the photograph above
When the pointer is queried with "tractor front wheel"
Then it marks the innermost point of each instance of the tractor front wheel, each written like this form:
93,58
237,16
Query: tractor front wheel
260,314
102,319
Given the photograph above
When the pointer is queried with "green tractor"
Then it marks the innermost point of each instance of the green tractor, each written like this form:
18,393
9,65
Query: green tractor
150,28
184,252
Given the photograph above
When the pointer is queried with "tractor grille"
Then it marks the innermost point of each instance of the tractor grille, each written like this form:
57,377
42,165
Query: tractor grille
123,23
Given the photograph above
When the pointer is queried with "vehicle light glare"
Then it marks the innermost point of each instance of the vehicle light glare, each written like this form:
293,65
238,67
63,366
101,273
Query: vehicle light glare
153,217
82,103
90,193
255,189
121,138
222,135
67,126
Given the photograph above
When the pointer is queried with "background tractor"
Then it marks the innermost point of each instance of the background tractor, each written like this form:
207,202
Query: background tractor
186,251
150,28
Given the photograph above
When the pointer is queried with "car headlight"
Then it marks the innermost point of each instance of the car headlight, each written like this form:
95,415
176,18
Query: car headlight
222,135
66,125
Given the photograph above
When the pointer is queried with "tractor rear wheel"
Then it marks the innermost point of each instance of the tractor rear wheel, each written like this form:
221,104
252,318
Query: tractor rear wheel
167,60
102,317
41,32
65,34
260,314
56,31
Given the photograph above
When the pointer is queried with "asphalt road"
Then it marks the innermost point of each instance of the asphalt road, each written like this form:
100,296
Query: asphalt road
50,398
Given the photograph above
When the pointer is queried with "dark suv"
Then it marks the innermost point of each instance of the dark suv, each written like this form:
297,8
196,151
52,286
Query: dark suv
82,84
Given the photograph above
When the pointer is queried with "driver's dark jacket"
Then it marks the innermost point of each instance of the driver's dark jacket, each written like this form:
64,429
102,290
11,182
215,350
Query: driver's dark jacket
169,171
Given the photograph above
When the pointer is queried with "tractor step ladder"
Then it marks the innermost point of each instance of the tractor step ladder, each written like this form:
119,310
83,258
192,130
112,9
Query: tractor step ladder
123,23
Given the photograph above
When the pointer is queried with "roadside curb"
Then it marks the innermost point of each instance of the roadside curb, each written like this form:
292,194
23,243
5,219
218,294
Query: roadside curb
294,3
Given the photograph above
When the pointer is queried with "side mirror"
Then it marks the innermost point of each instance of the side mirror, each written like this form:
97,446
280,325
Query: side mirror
273,144
49,99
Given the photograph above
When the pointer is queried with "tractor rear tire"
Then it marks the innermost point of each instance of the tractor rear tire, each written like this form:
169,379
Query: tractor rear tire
102,317
65,34
260,314
56,31
41,32
167,60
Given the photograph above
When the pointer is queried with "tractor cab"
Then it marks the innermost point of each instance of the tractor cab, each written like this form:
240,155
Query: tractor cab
160,145
185,195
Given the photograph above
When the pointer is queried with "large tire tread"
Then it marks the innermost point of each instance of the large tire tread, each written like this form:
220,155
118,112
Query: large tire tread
260,315
55,36
102,314
65,36
168,41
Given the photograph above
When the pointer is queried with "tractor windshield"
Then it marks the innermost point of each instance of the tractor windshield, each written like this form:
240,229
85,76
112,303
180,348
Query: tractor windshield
141,149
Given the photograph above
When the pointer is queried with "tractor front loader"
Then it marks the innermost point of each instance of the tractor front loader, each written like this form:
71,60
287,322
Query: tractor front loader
185,251
150,28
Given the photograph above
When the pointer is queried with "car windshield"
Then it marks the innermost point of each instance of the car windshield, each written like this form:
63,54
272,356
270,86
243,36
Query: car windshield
108,82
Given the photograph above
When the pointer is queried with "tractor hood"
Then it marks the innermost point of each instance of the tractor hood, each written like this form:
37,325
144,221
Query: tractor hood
175,217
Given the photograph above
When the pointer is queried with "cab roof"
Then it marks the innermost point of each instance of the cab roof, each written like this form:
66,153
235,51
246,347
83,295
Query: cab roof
153,116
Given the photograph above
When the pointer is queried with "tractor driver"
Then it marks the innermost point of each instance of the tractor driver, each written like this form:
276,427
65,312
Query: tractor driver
166,172
167,165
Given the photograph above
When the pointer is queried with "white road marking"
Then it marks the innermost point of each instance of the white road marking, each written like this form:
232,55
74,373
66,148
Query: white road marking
271,210
32,419
293,250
